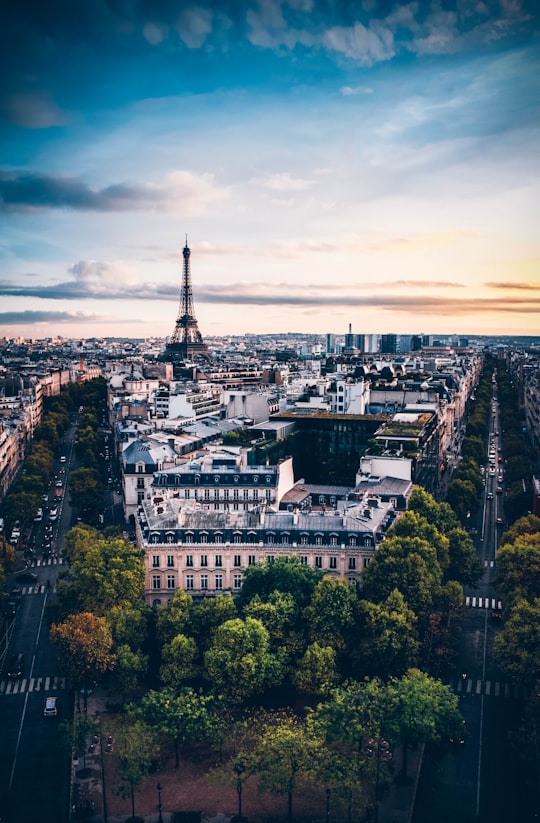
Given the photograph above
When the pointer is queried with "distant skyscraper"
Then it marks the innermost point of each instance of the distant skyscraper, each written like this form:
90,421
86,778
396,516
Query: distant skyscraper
330,343
389,343
186,341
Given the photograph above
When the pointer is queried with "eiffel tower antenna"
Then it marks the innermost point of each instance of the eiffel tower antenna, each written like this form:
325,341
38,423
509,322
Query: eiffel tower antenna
186,341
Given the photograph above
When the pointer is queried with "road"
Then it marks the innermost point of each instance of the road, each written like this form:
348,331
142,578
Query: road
479,783
34,766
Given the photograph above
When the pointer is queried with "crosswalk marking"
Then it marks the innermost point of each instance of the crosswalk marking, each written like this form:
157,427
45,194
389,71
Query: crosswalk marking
473,686
483,603
39,588
49,561
32,684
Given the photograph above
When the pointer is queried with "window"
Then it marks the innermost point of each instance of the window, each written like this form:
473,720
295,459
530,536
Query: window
169,538
219,582
303,560
251,560
140,468
187,494
225,494
203,537
255,494
333,563
204,581
216,506
189,537
237,537
270,539
318,540
318,562
156,581
216,494
303,539
189,582
218,537
140,497
237,561
268,494
333,540
352,562
216,478
237,581
246,494
235,494
352,541
140,482
155,561
207,494
366,562
189,560
170,581
367,542
218,560
270,558
204,560
285,539
170,561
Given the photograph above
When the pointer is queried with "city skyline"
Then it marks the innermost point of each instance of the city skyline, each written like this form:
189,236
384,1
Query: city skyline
331,163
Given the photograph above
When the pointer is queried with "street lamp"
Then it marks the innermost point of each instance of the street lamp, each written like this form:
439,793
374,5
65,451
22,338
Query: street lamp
160,816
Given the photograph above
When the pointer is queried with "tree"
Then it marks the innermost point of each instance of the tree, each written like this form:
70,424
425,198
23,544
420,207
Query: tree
84,644
316,672
385,640
239,663
179,661
464,565
517,645
287,753
409,565
413,524
86,489
353,712
463,498
440,515
330,613
136,746
420,709
284,574
518,565
205,617
131,665
174,619
182,716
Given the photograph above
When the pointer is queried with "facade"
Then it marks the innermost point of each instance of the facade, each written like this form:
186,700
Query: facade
205,552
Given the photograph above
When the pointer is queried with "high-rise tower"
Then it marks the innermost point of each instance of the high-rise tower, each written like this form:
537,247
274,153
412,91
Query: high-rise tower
186,341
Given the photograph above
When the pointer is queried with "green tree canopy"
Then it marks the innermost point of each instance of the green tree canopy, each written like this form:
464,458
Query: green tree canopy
239,663
385,641
517,645
283,574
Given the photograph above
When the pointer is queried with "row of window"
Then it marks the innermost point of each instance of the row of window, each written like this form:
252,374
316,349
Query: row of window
237,561
283,539
181,480
190,582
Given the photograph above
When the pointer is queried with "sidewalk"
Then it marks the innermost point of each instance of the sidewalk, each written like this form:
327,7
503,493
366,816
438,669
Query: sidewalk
87,786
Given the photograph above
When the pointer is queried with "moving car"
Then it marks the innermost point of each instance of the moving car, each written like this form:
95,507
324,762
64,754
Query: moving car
16,666
51,707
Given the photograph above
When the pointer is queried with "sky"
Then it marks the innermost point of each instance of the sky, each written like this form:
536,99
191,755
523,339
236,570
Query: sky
331,162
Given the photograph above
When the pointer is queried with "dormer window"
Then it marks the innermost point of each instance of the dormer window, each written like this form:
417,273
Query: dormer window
216,478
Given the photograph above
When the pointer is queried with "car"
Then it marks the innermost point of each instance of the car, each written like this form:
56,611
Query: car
38,517
44,498
499,490
63,459
51,707
53,514
499,521
59,484
25,576
16,666
10,608
490,495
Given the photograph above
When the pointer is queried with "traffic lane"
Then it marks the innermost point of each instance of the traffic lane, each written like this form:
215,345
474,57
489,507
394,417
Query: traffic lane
41,765
447,789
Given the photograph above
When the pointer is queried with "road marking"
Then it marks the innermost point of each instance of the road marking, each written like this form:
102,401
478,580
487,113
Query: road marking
45,684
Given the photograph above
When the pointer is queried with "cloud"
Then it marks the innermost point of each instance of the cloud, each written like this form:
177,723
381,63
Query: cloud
283,181
509,286
349,91
30,318
181,192
193,25
32,110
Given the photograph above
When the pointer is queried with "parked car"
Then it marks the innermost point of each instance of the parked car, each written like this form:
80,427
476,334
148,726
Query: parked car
38,517
53,514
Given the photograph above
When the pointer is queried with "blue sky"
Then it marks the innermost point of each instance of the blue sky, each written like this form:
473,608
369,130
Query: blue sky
332,162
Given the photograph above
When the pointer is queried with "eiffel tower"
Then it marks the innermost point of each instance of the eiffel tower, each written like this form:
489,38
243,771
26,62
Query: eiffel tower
186,341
